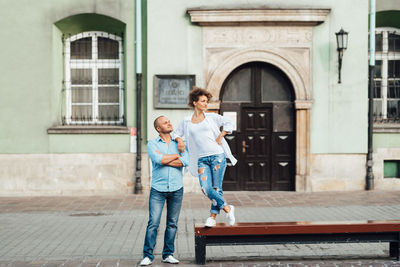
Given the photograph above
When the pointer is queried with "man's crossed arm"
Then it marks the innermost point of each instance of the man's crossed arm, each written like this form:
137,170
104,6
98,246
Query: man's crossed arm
170,159
173,160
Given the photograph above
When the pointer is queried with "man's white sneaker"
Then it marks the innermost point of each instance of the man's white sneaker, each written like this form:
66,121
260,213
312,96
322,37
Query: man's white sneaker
146,261
231,215
170,259
210,222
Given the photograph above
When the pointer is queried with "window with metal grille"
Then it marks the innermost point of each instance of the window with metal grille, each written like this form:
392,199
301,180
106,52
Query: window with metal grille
94,82
387,76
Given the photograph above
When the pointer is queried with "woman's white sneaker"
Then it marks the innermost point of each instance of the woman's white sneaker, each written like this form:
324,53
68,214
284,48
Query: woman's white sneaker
210,222
146,261
170,259
231,215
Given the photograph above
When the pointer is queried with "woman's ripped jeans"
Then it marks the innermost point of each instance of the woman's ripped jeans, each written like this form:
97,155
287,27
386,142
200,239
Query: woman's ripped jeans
211,175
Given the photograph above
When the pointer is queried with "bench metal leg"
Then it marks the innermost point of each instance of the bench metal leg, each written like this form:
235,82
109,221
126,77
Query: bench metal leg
392,249
200,249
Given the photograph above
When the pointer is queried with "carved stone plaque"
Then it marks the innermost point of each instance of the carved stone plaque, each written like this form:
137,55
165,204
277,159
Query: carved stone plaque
171,91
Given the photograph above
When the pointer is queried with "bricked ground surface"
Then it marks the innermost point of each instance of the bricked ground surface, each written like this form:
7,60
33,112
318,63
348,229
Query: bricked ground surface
109,230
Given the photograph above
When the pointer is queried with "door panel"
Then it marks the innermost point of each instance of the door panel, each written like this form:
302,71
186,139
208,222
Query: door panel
231,173
283,143
264,121
249,120
282,175
249,146
256,128
264,142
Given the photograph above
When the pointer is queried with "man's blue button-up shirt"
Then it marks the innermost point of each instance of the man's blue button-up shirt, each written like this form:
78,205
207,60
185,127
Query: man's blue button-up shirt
165,178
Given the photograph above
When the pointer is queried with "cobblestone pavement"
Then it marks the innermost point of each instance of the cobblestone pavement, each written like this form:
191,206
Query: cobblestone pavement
109,230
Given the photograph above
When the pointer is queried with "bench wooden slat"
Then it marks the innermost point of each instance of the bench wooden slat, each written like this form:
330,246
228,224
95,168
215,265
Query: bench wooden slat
327,227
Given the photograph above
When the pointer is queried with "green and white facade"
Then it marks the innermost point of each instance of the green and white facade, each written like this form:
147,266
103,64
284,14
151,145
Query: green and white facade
68,87
387,93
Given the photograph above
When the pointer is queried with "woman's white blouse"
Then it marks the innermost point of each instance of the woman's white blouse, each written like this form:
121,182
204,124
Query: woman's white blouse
215,121
204,140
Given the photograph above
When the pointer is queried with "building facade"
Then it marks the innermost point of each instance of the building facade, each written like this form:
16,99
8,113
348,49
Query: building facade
67,97
68,93
274,68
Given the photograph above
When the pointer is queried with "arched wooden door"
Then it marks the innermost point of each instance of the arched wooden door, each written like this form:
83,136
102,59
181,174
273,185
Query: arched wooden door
260,97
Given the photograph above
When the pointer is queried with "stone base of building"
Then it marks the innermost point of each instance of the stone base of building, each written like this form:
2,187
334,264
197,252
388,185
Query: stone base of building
337,172
114,173
381,183
66,174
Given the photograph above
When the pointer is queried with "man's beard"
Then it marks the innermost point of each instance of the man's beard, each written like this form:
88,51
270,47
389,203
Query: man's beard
167,132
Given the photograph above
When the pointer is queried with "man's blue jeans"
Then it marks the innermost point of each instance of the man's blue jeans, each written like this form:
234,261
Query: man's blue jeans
156,205
211,176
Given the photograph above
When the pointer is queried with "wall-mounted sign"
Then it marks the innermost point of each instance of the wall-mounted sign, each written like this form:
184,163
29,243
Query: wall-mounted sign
232,116
171,91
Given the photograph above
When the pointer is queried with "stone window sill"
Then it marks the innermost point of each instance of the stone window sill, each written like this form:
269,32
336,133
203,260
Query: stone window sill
387,128
88,130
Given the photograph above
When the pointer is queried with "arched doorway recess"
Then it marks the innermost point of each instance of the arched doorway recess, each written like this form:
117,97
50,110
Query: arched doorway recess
280,37
261,97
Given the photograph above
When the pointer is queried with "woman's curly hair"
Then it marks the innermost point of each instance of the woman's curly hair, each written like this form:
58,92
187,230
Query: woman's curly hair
195,94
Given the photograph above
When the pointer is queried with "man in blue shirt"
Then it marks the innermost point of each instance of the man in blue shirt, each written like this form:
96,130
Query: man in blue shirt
166,186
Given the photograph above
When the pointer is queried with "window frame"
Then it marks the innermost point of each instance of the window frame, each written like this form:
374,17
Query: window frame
385,56
397,162
94,64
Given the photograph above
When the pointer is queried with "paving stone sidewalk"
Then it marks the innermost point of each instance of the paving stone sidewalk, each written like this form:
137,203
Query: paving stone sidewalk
109,230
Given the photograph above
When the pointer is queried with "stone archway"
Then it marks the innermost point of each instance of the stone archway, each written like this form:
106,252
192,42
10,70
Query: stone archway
279,37
284,60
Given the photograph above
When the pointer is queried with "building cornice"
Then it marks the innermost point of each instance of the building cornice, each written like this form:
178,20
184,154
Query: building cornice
81,129
231,17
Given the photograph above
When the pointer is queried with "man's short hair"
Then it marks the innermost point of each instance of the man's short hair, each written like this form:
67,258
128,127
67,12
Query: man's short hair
156,122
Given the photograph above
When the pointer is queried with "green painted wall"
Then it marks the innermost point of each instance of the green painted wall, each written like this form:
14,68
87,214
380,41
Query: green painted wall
386,140
174,47
339,114
31,98
94,143
90,22
388,18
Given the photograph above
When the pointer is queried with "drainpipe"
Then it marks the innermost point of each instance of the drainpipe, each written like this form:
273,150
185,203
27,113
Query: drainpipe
370,174
138,68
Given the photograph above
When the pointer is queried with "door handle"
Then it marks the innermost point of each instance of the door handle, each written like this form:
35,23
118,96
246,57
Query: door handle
244,146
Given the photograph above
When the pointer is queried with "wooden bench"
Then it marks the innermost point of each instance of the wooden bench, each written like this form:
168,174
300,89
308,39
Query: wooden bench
297,233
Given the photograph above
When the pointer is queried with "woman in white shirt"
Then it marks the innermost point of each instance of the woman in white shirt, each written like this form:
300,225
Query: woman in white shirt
208,151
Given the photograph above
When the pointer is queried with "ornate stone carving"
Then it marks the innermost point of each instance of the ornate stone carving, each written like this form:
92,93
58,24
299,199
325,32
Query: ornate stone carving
247,35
